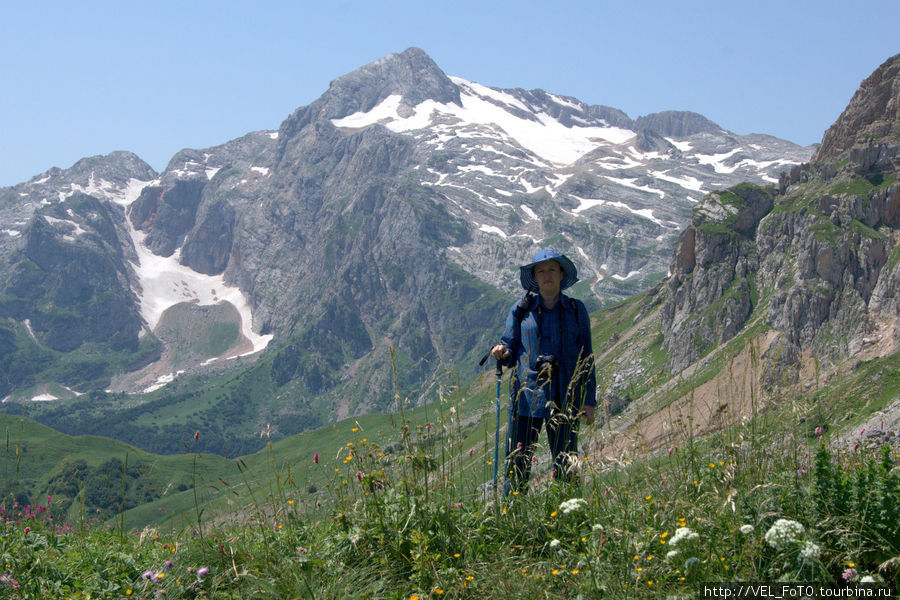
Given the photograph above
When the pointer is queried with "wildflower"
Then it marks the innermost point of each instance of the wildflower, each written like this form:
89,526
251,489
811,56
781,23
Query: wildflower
784,534
471,451
359,476
167,566
27,530
849,574
597,527
202,571
683,533
316,458
147,575
6,580
572,505
690,562
554,543
810,552
746,529
671,554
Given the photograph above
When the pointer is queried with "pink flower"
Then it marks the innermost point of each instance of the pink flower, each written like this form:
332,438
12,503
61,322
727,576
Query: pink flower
849,574
359,475
471,451
818,431
316,458
202,571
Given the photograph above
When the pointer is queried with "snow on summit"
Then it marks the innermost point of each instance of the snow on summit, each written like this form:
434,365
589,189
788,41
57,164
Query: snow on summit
543,135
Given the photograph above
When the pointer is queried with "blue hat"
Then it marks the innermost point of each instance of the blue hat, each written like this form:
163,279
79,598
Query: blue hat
526,275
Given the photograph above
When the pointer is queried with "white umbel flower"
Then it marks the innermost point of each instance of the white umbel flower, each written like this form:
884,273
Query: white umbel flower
784,533
572,505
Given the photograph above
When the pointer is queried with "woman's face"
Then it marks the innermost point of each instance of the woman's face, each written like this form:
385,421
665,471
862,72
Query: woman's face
548,275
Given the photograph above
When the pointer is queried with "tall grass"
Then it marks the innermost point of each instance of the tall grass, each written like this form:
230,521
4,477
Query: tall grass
408,511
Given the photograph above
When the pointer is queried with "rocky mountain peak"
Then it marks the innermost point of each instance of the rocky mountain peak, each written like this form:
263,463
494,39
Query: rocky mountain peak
871,119
412,74
676,123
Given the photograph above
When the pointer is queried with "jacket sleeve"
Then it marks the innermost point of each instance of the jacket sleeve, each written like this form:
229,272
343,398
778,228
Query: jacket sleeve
512,337
589,376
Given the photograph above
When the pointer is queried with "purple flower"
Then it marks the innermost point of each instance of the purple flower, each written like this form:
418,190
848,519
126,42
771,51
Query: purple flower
202,571
849,574
147,575
167,566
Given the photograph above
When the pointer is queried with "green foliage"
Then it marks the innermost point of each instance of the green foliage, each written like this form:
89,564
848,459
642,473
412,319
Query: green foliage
859,492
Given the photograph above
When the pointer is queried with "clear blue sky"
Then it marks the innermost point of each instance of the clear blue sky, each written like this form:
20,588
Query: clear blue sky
87,78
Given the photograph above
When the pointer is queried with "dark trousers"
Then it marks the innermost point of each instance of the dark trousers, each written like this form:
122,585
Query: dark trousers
562,434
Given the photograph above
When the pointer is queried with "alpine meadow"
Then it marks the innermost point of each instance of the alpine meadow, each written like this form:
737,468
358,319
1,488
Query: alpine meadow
256,373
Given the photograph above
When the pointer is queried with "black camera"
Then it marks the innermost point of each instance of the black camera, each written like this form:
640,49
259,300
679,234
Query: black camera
546,365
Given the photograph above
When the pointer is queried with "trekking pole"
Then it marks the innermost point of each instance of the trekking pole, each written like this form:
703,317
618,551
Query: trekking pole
499,372
497,427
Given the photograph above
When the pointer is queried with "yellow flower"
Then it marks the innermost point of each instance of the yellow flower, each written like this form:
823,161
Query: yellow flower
438,591
664,534
355,429
128,592
414,597
851,565
712,465
456,555
554,572
575,571
290,501
553,514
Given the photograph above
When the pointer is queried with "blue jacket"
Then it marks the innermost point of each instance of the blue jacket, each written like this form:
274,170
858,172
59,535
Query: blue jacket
527,396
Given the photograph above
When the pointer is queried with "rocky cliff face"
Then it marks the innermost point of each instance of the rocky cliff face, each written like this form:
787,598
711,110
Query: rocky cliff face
818,255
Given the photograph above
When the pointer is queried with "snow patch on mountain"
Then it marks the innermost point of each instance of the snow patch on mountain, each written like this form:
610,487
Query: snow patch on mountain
483,107
165,282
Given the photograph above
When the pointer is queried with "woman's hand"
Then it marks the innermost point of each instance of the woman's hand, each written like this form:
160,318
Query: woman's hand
500,352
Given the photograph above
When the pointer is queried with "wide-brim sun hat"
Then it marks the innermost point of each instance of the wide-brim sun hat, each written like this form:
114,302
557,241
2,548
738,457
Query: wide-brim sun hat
570,273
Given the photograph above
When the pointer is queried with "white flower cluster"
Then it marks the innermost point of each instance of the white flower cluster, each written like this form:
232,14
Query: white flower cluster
784,533
572,505
747,529
810,552
683,534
